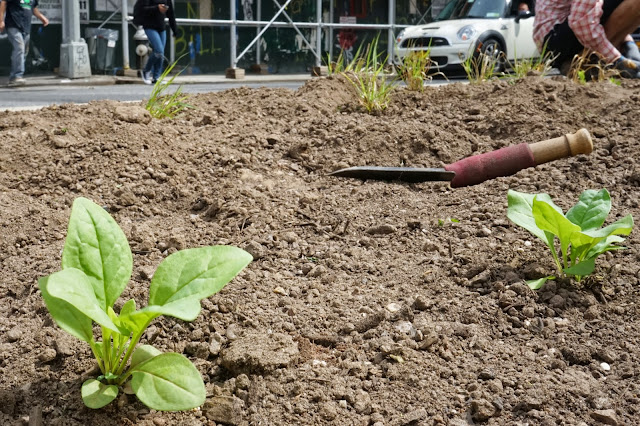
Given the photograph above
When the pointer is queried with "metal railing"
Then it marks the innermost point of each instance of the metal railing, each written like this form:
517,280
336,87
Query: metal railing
261,26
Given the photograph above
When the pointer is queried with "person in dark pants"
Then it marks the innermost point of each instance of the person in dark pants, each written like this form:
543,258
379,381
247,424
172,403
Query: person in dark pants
154,13
603,27
15,18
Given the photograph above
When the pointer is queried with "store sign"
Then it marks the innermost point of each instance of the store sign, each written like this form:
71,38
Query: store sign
52,9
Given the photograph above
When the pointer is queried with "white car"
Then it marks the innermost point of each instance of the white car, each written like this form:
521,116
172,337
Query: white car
464,28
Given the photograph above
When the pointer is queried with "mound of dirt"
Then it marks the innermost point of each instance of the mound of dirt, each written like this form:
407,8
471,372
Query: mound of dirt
367,302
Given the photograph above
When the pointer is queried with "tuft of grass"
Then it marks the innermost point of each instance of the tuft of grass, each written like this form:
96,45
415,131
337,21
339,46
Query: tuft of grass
162,104
414,70
367,73
589,66
541,65
480,68
337,66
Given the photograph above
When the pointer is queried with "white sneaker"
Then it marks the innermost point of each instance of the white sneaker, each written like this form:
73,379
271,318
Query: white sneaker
146,76
18,81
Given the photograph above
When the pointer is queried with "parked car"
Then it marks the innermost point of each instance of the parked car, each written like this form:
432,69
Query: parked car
466,28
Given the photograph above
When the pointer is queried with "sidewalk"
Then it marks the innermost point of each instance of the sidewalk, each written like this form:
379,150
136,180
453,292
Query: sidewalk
101,80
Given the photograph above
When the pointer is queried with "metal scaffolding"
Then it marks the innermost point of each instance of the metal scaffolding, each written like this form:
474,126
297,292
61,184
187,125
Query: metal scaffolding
261,26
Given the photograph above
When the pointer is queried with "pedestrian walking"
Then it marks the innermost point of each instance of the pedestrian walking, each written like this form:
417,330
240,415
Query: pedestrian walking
151,15
603,27
15,18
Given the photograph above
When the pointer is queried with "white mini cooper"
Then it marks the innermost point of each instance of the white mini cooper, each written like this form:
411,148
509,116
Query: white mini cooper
464,28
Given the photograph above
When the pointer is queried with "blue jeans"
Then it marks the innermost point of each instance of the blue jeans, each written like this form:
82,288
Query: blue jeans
19,43
157,40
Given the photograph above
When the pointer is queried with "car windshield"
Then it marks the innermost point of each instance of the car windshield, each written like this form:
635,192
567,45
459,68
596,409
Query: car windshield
460,9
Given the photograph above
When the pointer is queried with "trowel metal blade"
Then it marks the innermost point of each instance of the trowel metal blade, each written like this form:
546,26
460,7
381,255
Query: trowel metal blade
403,174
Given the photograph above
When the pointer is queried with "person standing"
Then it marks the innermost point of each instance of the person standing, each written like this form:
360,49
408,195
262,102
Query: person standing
154,13
567,27
15,18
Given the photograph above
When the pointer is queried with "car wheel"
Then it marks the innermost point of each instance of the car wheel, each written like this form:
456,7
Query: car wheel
493,49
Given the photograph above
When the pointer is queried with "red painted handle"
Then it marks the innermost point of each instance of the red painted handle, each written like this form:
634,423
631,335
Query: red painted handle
502,162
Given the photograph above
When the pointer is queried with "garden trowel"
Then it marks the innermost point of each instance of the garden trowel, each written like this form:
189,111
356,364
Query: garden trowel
479,168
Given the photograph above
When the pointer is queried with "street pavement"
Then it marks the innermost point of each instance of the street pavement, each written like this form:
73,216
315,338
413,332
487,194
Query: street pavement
131,78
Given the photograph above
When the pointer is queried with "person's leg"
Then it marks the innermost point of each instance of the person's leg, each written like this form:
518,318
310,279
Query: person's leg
620,18
155,41
563,44
17,40
157,70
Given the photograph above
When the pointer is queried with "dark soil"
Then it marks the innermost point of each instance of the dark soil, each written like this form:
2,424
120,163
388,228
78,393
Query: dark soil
368,303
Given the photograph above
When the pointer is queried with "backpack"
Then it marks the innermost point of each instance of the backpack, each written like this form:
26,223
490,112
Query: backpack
138,12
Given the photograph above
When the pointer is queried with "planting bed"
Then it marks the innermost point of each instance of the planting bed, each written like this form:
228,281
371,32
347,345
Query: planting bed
366,303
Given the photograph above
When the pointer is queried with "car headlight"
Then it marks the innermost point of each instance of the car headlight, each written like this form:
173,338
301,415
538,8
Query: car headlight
400,36
466,33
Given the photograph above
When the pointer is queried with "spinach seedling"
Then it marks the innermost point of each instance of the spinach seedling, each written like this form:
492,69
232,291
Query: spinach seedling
96,267
579,232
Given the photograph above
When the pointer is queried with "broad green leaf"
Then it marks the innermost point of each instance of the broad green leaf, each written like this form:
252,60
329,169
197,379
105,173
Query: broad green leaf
73,286
97,246
184,309
549,219
138,320
66,315
194,274
128,307
537,284
582,269
620,227
591,210
96,394
520,211
605,245
144,353
168,382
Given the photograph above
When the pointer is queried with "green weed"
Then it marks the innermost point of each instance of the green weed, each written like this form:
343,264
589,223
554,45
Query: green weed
367,73
162,104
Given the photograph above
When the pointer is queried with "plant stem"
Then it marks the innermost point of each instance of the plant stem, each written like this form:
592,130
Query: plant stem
92,344
132,344
106,349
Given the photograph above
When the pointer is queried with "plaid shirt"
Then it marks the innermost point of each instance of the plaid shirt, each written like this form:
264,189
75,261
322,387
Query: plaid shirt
584,20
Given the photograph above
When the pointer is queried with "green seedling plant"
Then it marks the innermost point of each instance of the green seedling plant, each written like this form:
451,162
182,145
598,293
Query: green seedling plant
414,69
368,76
480,68
96,267
337,66
161,103
541,65
579,233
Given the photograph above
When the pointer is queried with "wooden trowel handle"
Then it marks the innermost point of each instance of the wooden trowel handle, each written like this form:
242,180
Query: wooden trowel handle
562,147
510,160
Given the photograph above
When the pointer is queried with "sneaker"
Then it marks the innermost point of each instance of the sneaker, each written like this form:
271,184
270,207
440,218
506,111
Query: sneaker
146,76
18,81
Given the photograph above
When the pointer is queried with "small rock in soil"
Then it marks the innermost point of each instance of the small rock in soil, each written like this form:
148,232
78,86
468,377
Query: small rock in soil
14,334
381,230
414,417
259,352
482,410
47,355
224,409
607,417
